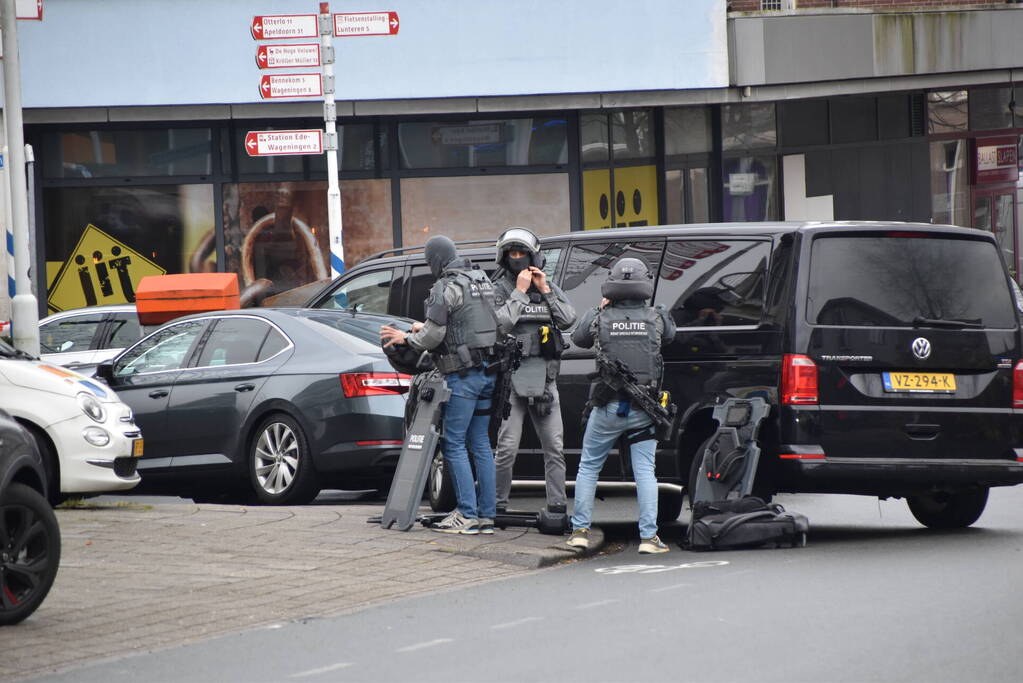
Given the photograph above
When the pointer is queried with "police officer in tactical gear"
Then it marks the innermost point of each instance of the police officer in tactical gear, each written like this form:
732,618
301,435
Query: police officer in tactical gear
460,331
534,311
624,328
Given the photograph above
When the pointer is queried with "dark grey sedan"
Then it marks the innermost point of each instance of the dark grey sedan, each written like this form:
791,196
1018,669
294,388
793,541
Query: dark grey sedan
279,403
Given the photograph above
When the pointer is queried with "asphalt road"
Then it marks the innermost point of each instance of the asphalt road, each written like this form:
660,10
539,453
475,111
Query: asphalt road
874,596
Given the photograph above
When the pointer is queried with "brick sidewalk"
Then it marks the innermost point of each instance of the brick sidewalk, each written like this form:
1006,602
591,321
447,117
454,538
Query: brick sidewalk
135,578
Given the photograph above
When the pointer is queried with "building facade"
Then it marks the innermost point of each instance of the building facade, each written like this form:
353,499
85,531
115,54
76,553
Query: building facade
478,116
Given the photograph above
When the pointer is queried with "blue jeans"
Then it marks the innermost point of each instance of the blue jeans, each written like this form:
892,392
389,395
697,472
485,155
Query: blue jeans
465,429
602,430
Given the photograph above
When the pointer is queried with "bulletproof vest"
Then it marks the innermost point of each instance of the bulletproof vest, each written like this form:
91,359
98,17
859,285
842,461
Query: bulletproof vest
530,380
631,336
472,327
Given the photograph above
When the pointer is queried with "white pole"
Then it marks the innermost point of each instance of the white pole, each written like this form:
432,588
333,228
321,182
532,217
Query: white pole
337,250
24,308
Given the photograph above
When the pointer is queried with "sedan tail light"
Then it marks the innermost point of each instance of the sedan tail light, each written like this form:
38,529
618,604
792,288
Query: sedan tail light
1017,385
374,383
798,380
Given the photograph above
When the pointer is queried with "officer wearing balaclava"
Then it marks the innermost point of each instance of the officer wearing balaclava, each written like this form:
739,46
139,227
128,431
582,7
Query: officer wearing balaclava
534,311
626,328
460,332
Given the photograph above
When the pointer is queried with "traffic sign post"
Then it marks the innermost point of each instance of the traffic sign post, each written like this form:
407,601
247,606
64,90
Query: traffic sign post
334,224
264,143
326,27
24,307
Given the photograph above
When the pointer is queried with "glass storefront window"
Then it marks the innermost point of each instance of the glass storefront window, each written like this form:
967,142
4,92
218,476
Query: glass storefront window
750,188
687,130
103,240
989,108
688,198
358,149
632,134
480,207
950,198
748,126
483,143
128,153
947,111
272,257
594,137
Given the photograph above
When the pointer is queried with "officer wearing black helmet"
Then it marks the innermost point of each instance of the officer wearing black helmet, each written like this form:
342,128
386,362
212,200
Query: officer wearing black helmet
625,329
535,311
460,331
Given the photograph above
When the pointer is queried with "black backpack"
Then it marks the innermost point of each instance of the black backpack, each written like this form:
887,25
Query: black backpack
746,522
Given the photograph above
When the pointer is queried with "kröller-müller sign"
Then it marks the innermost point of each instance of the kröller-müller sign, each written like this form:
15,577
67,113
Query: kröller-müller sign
268,143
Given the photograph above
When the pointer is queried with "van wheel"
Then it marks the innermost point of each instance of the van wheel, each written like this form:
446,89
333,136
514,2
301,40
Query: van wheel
440,490
31,554
280,465
945,510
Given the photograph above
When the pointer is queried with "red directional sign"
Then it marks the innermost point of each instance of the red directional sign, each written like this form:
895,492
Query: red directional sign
352,24
268,143
274,26
273,86
288,56
28,9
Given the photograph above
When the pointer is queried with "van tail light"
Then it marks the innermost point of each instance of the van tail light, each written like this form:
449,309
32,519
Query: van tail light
1017,385
374,383
798,380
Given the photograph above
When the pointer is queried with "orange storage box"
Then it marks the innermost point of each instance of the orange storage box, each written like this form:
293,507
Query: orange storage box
159,298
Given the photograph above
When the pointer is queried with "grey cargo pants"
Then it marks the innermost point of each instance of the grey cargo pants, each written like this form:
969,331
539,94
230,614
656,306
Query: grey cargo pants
550,430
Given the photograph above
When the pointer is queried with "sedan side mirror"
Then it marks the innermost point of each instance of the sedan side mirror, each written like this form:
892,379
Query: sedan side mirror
105,371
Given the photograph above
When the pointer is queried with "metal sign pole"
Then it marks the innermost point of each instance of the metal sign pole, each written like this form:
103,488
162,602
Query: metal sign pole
24,308
337,251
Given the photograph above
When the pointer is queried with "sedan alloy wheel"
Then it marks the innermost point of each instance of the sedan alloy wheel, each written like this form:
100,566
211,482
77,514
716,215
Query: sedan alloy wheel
280,465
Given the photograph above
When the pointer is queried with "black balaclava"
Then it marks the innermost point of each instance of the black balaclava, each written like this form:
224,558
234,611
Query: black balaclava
439,252
517,265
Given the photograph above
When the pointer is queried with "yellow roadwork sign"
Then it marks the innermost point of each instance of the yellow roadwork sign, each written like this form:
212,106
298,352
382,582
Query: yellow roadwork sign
100,270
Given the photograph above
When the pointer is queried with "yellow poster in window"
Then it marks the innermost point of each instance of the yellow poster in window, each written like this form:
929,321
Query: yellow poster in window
100,270
635,198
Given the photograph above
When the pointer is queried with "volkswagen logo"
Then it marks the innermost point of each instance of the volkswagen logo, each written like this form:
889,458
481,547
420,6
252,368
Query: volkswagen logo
921,348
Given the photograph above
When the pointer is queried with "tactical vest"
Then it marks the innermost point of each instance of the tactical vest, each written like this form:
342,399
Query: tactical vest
631,336
531,379
472,327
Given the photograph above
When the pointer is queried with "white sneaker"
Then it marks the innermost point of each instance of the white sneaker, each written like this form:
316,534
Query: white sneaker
455,523
580,538
649,546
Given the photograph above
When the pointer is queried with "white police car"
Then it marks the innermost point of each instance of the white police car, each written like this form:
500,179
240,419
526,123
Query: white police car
86,435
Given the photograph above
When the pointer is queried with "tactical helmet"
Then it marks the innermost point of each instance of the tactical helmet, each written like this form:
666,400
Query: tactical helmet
525,240
629,279
406,359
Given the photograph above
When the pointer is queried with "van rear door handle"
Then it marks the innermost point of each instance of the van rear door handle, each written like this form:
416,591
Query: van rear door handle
245,387
922,432
158,393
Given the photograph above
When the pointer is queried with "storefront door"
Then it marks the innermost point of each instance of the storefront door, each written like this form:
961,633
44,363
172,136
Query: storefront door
994,209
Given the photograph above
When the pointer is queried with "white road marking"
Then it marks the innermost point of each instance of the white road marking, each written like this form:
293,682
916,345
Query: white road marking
670,588
738,573
589,605
517,622
321,670
421,646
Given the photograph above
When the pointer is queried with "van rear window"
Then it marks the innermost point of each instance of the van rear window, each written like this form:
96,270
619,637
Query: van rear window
892,281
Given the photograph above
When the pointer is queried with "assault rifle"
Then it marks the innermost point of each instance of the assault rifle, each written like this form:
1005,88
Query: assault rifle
660,409
510,351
